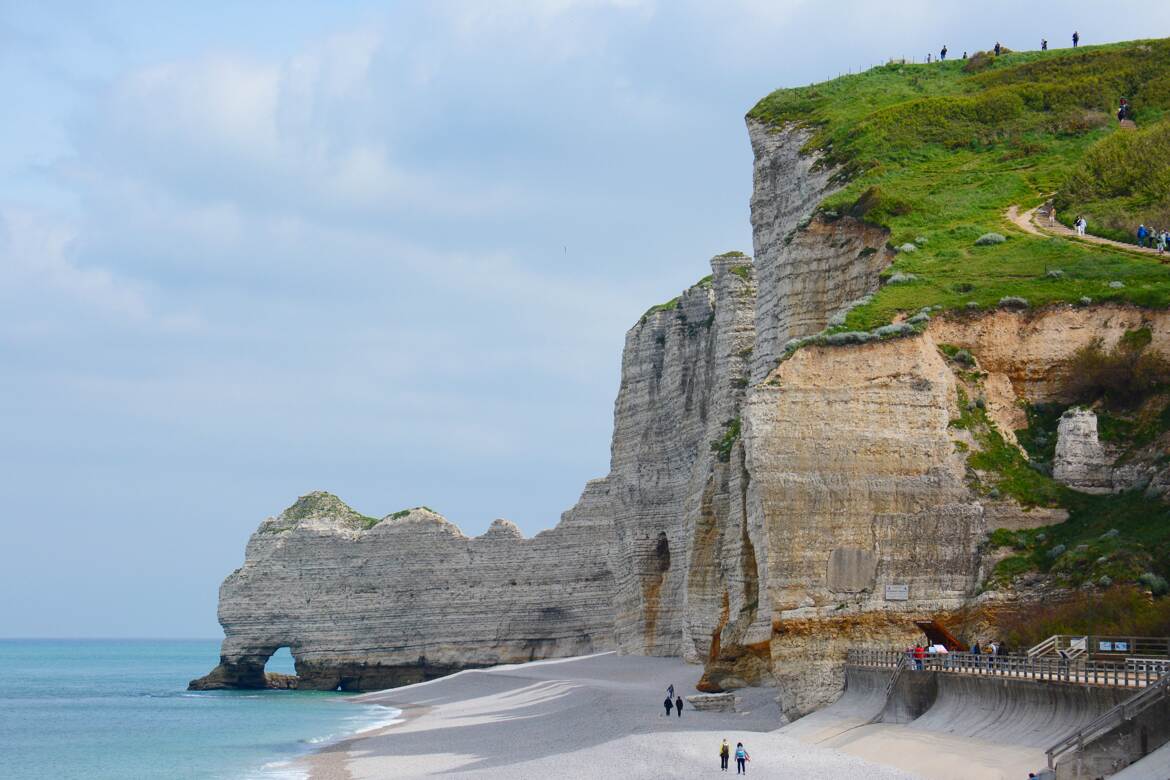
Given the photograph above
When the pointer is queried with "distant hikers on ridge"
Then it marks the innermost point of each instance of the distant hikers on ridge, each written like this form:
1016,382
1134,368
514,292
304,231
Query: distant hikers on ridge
1076,39
942,55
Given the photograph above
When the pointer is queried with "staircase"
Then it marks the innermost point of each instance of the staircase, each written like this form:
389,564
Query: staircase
1073,646
1127,710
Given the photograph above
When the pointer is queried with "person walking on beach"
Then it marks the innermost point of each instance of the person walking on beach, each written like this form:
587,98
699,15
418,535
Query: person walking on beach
1076,39
678,705
741,759
669,706
670,691
724,755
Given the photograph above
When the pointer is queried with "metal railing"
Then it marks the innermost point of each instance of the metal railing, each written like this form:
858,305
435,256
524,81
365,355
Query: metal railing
1123,673
1126,710
1122,646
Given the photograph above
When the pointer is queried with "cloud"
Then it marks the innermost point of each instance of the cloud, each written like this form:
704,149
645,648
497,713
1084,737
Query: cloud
37,259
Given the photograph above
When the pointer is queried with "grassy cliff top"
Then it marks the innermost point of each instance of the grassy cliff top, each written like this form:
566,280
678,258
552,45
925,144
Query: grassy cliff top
940,151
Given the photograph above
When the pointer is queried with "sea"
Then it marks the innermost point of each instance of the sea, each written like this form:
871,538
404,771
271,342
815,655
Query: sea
121,709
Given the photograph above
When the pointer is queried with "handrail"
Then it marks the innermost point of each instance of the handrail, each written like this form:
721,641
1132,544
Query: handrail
1123,673
1111,645
902,663
1126,710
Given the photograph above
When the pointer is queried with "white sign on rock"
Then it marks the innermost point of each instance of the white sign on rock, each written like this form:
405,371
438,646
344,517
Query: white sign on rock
897,592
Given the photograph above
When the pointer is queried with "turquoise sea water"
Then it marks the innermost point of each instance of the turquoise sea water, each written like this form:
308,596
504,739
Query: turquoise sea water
120,709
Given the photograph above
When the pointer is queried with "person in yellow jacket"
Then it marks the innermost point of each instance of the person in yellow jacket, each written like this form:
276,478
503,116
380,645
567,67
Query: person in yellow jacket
724,754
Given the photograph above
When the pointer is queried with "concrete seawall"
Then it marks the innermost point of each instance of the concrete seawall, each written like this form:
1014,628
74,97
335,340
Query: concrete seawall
956,725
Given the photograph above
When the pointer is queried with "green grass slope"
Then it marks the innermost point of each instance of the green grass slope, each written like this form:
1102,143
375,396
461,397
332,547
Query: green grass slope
940,151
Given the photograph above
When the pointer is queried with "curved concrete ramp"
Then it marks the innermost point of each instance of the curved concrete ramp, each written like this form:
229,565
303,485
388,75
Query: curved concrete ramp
1015,712
941,724
862,700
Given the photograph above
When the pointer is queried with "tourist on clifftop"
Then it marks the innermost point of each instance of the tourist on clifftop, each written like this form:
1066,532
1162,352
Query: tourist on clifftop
942,55
998,48
1076,39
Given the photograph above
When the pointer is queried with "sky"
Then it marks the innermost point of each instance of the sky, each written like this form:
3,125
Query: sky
389,250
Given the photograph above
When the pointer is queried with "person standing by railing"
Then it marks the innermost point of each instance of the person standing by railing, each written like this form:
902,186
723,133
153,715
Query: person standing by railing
919,656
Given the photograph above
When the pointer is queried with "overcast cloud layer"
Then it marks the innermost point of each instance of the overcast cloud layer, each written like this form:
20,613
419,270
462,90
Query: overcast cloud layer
252,250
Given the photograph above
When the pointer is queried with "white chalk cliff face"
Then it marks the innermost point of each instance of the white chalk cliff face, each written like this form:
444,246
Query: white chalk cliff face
761,513
367,603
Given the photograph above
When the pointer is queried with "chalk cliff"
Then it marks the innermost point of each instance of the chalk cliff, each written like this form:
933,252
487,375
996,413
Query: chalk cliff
366,603
766,507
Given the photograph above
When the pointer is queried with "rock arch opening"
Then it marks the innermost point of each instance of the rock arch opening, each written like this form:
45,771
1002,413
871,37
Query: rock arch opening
280,669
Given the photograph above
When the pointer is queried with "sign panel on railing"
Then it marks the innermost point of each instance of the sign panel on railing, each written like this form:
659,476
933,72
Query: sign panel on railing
897,592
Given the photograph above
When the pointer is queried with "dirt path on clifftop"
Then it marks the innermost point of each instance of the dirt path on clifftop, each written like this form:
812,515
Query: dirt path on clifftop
1026,221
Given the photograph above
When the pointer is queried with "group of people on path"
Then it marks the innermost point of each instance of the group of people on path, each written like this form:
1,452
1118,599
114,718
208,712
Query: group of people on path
741,757
1152,238
942,54
725,752
671,701
920,652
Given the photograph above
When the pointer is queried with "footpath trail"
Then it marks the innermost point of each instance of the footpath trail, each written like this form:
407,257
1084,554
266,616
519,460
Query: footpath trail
1027,221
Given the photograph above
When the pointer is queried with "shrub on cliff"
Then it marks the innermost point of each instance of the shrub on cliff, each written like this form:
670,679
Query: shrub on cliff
1123,611
722,447
1122,377
1123,180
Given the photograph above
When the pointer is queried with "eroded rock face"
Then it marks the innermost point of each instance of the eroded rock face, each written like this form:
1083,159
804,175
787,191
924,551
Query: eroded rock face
684,373
1032,349
366,604
1080,460
808,267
